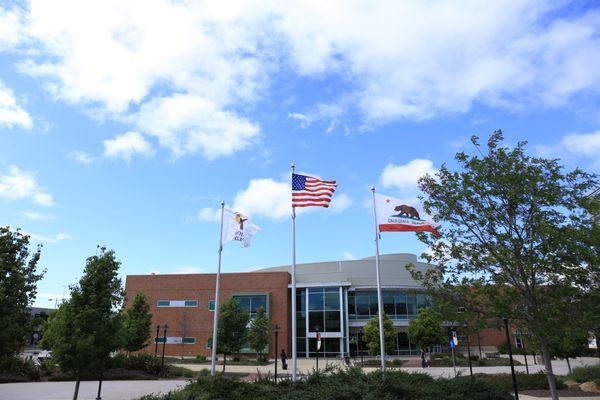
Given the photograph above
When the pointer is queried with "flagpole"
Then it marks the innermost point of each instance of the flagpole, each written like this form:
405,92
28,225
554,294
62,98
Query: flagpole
213,362
379,297
294,340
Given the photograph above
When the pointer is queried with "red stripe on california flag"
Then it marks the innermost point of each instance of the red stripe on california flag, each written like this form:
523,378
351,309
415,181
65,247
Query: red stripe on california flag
407,228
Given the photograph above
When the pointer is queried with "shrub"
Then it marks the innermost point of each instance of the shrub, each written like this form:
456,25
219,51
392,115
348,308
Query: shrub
396,362
585,374
536,381
201,358
14,369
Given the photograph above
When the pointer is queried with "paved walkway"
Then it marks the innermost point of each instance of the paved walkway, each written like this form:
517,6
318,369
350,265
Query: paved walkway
111,390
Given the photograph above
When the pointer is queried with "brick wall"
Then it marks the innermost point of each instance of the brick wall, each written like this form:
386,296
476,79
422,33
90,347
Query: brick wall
201,287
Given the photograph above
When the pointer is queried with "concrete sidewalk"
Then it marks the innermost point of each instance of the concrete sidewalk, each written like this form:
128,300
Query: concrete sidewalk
111,390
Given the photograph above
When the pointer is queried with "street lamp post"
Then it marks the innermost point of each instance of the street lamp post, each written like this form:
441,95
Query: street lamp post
156,340
510,355
276,331
469,355
162,361
524,352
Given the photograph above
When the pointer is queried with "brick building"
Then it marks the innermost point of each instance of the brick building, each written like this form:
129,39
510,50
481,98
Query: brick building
337,298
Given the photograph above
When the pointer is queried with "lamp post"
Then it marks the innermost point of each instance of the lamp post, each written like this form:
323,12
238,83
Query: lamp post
469,355
358,346
276,331
510,355
162,361
521,335
156,340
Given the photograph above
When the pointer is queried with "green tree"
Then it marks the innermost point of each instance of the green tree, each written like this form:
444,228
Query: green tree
18,288
231,334
259,333
426,330
516,236
137,323
372,335
81,333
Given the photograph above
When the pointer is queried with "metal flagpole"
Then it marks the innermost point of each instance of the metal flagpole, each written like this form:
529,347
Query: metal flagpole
379,298
293,287
213,362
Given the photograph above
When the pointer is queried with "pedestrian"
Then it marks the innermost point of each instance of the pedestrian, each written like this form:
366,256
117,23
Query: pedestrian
423,359
283,359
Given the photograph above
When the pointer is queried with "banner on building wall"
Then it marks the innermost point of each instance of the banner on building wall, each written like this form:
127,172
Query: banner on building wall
237,227
394,215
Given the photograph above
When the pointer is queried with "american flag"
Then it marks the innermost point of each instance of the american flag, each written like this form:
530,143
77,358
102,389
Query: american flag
308,191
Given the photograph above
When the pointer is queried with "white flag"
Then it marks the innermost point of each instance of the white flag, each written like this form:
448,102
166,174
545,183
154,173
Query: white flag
394,215
237,226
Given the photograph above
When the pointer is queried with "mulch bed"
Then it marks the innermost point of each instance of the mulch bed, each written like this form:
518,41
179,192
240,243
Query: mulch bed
561,393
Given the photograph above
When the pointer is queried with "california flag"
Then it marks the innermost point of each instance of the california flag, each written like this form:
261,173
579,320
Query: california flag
237,227
393,215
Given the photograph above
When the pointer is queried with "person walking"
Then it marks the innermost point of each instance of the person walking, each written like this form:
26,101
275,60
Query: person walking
423,359
283,359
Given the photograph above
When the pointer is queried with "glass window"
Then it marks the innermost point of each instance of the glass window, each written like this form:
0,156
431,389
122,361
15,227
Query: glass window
316,320
332,321
301,300
421,301
244,303
300,348
300,324
189,340
251,303
332,300
362,304
258,302
163,303
209,343
211,305
315,301
351,305
411,305
191,303
373,305
388,304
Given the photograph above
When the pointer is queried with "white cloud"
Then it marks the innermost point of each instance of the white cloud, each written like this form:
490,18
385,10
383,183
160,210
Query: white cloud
18,185
11,25
46,239
127,145
11,113
187,124
349,256
128,60
340,202
209,214
265,198
586,144
405,176
36,216
330,113
81,157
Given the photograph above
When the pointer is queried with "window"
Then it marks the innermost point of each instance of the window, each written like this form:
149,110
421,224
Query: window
177,303
211,305
324,309
209,343
363,305
176,340
252,302
189,340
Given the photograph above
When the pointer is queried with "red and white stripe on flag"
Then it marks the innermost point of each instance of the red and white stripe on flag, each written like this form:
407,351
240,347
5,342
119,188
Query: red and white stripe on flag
311,192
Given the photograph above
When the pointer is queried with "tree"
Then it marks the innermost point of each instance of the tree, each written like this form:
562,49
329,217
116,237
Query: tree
426,329
259,333
231,334
137,323
81,333
372,335
184,324
515,237
18,288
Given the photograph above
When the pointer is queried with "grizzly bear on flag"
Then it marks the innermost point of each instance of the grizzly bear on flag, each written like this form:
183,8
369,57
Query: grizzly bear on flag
409,211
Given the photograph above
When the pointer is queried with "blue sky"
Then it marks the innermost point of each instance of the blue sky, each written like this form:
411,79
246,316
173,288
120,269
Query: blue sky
124,124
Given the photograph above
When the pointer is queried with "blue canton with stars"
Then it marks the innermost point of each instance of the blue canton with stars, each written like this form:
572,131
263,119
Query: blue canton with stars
298,182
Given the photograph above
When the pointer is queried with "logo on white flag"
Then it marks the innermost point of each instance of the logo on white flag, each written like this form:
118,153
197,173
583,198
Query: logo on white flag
237,227
394,215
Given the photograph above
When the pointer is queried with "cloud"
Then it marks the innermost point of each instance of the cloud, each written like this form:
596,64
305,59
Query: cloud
330,113
128,60
127,145
340,202
265,198
11,114
580,146
36,216
45,239
188,124
81,157
209,214
349,256
18,185
405,176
